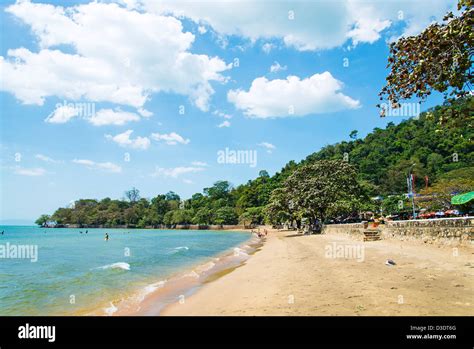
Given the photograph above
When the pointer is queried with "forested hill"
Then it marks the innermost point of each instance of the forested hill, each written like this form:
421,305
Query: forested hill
435,143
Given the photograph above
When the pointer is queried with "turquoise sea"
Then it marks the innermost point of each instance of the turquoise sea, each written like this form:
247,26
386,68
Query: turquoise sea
77,272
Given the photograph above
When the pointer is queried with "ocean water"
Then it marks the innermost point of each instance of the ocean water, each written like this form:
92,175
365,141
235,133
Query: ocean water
79,273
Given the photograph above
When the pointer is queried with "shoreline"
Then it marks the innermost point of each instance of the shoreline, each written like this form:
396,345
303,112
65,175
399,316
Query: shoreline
211,227
157,295
291,275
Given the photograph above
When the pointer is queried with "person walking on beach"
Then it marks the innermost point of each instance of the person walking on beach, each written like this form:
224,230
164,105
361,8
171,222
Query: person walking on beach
106,237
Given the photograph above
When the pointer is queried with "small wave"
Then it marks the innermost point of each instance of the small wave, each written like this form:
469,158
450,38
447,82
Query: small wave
179,249
111,309
153,287
192,274
206,267
239,252
118,265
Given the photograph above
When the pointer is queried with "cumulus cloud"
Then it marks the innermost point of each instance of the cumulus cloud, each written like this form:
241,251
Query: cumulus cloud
293,96
111,58
105,166
368,24
112,117
31,172
124,140
171,138
306,25
175,172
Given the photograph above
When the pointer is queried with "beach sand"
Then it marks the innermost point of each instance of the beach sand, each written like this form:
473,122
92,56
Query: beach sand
291,275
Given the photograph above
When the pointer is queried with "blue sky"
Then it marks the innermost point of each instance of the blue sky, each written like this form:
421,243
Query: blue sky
137,64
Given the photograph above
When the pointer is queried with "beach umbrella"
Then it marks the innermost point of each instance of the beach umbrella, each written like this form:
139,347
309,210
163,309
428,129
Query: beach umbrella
462,199
452,212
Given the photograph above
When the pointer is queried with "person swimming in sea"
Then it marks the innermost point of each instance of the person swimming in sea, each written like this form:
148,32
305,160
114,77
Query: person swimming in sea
106,237
87,231
2,232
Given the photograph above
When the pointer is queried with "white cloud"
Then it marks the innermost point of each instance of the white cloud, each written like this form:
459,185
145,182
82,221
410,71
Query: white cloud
112,117
46,159
311,25
175,172
105,166
267,47
62,114
293,96
202,29
368,25
276,67
124,140
199,163
224,123
31,172
319,24
145,113
268,146
222,114
119,55
187,181
170,138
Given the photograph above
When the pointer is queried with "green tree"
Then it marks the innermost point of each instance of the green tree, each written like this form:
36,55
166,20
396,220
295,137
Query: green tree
133,195
226,215
252,215
438,196
220,190
42,220
203,216
325,189
439,58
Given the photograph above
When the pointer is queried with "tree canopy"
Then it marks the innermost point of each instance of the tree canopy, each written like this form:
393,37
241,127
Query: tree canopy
438,59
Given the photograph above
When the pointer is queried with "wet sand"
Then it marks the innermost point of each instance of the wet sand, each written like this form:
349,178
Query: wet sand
293,275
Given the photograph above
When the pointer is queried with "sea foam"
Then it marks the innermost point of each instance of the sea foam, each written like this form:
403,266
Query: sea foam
118,265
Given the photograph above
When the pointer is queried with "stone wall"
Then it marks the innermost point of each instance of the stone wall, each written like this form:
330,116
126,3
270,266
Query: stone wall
356,230
445,231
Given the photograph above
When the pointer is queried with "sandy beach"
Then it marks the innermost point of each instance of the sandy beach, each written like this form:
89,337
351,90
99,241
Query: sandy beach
292,275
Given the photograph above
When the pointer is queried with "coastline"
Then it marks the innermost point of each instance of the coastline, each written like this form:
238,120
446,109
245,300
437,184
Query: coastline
157,295
291,275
